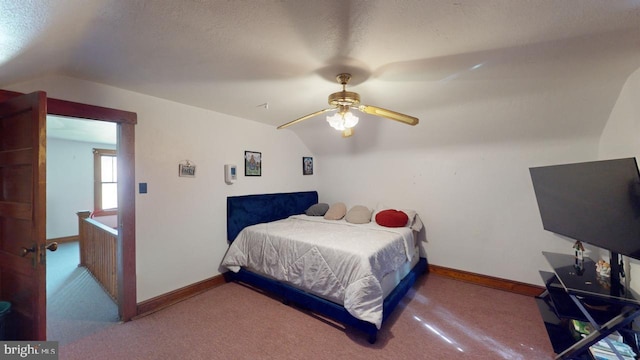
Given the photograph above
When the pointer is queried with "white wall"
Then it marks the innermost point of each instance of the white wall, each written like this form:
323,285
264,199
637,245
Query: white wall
477,203
69,184
620,137
180,222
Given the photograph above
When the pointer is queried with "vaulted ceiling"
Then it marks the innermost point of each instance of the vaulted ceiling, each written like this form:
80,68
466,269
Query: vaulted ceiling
472,71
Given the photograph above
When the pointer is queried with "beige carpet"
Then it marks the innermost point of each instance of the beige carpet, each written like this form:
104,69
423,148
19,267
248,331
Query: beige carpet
439,319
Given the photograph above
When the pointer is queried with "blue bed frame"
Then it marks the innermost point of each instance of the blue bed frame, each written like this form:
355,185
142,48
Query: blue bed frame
243,211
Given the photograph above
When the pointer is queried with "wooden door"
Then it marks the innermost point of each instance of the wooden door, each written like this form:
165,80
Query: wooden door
22,214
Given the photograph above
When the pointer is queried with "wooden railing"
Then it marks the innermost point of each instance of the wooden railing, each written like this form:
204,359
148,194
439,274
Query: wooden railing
98,252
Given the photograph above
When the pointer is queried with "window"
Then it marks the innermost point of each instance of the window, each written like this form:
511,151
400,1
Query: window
105,166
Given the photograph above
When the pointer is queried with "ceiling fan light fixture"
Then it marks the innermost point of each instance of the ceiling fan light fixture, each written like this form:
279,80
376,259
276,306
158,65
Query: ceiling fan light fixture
342,120
350,120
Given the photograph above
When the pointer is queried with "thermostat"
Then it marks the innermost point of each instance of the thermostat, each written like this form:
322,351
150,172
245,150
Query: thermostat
230,175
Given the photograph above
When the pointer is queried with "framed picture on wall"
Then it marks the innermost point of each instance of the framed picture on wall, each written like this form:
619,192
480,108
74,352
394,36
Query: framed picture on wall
307,165
187,169
252,163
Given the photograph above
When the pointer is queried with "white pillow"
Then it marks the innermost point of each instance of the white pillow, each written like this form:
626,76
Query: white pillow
358,215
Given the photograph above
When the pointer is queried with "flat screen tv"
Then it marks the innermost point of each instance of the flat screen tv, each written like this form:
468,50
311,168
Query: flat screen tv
595,202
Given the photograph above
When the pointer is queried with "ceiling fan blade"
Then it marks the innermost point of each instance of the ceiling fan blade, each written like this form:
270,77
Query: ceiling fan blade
304,118
374,110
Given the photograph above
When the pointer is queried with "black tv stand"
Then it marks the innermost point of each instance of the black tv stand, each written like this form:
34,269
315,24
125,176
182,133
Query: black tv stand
574,291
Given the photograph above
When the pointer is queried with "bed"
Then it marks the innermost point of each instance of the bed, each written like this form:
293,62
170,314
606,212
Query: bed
355,274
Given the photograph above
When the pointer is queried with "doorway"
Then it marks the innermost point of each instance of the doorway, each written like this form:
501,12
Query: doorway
126,249
24,122
78,299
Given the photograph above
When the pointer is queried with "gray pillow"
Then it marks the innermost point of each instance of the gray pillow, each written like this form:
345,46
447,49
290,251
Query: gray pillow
317,210
358,215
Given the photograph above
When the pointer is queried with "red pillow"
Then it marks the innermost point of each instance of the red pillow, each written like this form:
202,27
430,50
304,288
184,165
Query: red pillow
392,218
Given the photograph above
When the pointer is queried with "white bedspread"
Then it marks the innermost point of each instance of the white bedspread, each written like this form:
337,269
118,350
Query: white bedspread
337,260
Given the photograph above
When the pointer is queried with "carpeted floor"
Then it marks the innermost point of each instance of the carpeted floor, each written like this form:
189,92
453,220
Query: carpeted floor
439,319
77,305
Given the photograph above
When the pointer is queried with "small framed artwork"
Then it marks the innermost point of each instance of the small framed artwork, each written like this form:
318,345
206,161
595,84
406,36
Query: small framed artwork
252,163
187,169
307,165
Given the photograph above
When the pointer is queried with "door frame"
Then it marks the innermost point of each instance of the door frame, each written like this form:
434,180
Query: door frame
126,256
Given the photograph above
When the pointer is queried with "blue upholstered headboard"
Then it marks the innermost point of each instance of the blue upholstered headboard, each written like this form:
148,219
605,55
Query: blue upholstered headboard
243,211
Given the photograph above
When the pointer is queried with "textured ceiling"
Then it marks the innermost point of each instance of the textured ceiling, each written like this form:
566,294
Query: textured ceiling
519,68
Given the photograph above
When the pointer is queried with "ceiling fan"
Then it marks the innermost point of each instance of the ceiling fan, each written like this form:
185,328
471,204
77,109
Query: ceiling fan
342,102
